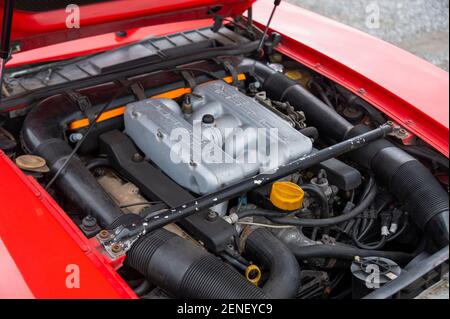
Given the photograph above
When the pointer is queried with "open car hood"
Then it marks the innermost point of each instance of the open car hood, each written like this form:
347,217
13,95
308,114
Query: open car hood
41,23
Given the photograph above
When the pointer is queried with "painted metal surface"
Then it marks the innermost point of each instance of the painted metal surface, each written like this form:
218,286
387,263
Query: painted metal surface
410,90
38,29
100,43
40,245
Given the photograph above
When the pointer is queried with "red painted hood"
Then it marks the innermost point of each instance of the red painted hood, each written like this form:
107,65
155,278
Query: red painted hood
44,22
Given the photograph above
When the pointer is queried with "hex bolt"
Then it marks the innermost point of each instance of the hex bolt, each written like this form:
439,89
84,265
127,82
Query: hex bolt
211,216
99,171
103,234
134,114
89,222
116,248
121,34
192,163
137,158
75,137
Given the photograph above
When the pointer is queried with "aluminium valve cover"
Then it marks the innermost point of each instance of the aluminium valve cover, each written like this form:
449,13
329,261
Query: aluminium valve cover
224,137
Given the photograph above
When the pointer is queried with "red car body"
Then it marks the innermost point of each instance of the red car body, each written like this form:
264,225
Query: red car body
38,240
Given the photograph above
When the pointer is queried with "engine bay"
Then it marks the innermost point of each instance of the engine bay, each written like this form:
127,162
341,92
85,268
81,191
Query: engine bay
212,171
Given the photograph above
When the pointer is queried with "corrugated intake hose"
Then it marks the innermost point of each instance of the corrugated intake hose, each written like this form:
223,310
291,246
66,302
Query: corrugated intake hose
408,180
284,280
186,270
42,134
411,182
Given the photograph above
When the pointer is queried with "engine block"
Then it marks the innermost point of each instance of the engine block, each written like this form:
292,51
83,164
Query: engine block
217,138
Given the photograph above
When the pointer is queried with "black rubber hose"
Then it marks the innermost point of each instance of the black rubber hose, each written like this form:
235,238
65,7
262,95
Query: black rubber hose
284,280
310,132
281,88
97,162
410,181
259,212
346,253
42,134
378,245
361,207
316,192
317,87
412,184
143,288
187,270
427,154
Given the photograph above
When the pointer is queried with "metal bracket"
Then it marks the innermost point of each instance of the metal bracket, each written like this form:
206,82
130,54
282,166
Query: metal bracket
114,243
189,78
138,91
80,100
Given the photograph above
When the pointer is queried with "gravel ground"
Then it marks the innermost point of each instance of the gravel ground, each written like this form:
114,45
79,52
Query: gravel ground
418,26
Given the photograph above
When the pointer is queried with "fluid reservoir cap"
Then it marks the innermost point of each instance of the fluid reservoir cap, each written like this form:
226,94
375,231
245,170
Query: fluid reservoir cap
32,163
287,196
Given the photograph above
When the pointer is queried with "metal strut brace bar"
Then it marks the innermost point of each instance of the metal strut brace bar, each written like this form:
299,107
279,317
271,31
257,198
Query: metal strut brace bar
232,191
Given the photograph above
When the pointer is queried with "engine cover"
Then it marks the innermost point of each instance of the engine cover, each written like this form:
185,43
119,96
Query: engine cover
223,137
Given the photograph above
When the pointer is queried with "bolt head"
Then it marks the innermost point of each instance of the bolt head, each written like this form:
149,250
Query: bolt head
116,248
103,234
89,222
135,114
137,158
211,216
208,119
121,34
192,163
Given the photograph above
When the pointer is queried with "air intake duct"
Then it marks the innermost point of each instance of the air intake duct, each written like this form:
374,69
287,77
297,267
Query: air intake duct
408,179
42,134
186,270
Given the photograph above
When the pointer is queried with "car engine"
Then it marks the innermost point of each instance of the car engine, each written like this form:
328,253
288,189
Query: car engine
226,119
213,171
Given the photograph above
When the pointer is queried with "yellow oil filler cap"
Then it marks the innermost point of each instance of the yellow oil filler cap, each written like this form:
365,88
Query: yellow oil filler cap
287,196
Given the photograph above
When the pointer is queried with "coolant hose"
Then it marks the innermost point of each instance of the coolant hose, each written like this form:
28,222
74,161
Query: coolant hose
284,280
408,179
186,270
43,135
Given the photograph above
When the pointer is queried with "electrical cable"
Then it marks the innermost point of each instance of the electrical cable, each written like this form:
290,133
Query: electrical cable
140,204
371,191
